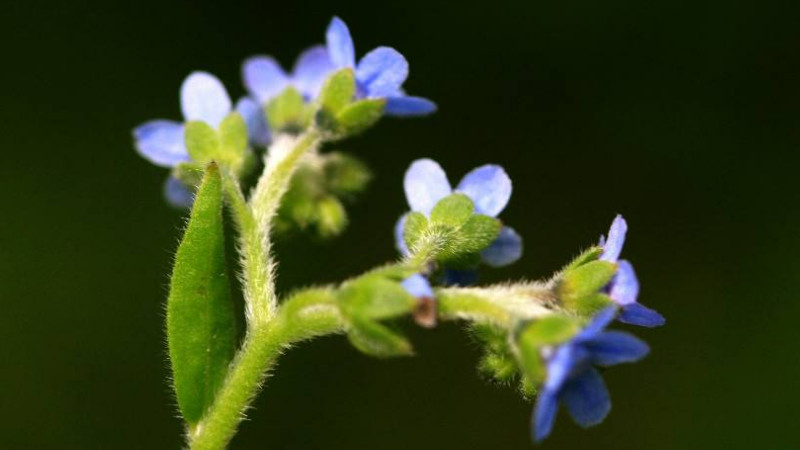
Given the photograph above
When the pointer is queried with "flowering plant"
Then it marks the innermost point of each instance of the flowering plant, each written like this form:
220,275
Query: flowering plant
547,337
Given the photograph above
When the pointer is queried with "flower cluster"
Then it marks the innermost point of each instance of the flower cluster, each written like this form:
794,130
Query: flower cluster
379,75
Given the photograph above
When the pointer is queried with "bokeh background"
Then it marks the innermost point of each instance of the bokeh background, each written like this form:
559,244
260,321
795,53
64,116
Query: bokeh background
682,115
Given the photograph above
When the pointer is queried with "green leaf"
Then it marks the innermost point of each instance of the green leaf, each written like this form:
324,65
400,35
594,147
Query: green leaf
338,91
288,111
453,210
360,115
415,225
377,340
200,318
202,141
586,279
233,139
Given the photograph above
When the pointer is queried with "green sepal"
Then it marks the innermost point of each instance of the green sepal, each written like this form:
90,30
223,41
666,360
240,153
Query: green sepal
415,225
202,141
310,313
338,91
589,305
547,331
377,340
500,367
588,255
453,210
479,232
200,318
586,279
189,173
233,140
376,298
288,112
359,115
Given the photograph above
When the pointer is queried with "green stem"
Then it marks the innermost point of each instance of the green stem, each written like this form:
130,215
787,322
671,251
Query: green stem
501,305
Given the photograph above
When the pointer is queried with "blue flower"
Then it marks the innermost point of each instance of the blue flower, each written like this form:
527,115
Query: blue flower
265,79
418,286
204,98
488,186
379,74
573,380
624,287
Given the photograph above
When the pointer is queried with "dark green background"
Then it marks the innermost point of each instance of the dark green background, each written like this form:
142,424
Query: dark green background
682,115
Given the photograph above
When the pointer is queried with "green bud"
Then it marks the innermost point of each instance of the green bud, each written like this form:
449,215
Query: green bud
376,298
501,367
377,340
345,175
331,217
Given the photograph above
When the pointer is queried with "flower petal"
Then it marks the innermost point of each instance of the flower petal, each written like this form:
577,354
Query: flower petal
598,323
489,187
403,106
203,97
418,286
311,70
340,45
616,239
425,184
381,72
625,286
544,415
586,398
254,116
638,314
616,347
506,249
264,78
177,194
399,240
161,142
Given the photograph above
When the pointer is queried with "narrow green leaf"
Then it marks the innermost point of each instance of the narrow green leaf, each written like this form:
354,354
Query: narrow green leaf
360,115
202,142
453,210
338,91
200,317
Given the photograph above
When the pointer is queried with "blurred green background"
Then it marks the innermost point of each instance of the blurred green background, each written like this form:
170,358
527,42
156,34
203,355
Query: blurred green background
682,115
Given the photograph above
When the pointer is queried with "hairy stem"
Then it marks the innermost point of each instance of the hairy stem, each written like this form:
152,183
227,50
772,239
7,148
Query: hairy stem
500,305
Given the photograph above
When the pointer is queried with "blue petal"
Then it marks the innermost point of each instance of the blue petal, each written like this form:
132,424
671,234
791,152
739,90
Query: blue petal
562,364
489,187
203,97
506,249
399,240
598,323
253,114
586,398
544,415
615,347
311,70
616,239
403,106
340,45
624,287
418,286
638,314
161,142
264,78
177,194
453,277
425,184
381,72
